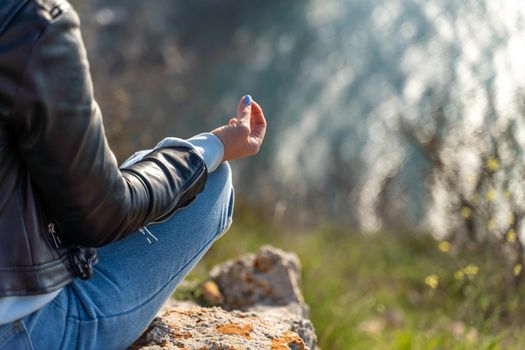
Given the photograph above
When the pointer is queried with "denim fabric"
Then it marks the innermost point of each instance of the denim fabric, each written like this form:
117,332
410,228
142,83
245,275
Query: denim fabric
131,282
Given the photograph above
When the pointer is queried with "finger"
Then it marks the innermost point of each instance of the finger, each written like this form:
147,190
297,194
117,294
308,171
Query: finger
258,121
232,121
244,110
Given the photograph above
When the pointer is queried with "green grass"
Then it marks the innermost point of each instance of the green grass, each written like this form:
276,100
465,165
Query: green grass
369,291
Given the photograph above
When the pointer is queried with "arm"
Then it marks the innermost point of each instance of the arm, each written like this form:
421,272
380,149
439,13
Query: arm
58,127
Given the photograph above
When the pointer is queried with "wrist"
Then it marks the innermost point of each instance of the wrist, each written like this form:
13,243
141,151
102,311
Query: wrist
210,147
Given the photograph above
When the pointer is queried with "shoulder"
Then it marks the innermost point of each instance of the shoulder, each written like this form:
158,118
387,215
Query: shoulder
16,12
22,24
36,36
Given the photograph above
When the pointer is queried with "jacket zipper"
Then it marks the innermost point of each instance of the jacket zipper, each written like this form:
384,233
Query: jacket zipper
52,232
148,235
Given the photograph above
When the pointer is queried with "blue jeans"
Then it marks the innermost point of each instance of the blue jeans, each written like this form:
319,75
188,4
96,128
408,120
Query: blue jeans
131,282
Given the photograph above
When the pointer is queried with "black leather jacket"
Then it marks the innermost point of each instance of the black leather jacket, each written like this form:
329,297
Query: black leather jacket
61,189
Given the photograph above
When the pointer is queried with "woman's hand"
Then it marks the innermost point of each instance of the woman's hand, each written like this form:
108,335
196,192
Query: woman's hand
244,134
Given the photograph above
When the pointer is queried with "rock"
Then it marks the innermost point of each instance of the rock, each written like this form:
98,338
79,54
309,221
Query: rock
211,293
214,328
271,277
261,303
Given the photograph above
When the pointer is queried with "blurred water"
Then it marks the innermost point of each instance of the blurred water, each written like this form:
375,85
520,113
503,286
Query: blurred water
356,93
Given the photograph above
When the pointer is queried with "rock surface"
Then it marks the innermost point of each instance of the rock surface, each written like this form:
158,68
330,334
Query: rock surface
261,307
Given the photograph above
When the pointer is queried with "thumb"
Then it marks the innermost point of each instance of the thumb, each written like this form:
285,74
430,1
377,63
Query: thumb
244,110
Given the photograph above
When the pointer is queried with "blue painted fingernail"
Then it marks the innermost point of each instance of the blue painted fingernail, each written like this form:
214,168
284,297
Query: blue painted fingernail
247,100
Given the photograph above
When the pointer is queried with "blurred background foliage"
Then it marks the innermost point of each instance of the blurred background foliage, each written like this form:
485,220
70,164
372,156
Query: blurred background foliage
398,117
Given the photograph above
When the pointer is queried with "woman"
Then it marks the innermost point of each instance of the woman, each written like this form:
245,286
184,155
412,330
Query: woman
62,195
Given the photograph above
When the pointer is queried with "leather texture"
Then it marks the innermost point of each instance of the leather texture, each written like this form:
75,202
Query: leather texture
61,190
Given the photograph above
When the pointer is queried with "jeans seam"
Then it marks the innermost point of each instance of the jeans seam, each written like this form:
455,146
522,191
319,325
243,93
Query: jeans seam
229,222
28,337
59,305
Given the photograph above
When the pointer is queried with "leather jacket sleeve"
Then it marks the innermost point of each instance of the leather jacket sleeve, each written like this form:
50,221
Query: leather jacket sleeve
60,135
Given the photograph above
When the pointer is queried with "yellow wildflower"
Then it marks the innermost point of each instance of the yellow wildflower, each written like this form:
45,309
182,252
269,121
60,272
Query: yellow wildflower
471,270
466,212
444,246
511,219
493,164
491,195
459,274
511,236
517,269
432,281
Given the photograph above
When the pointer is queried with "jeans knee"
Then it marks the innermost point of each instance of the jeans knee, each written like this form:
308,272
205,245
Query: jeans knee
222,176
220,182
